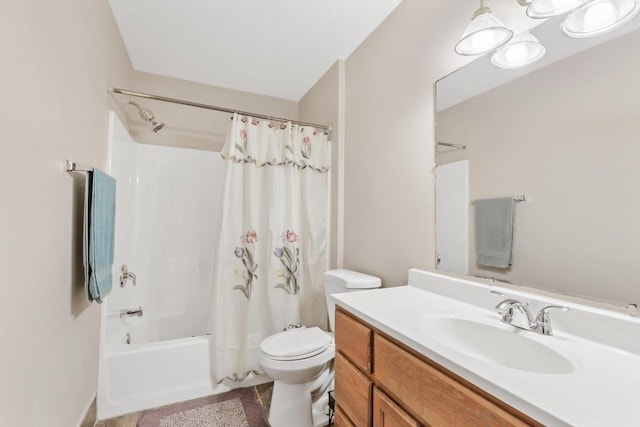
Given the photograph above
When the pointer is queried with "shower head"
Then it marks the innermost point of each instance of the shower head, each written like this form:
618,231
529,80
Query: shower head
156,126
147,116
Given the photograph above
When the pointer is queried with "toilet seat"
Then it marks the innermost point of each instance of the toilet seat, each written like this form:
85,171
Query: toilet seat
296,344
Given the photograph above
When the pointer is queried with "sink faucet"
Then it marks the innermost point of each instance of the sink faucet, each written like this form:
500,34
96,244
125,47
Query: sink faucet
131,312
541,324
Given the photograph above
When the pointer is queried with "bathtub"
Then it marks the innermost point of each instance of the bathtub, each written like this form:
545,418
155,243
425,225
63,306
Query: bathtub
171,251
149,373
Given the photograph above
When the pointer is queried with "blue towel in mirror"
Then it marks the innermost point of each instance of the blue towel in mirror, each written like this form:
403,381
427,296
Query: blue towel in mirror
100,213
494,231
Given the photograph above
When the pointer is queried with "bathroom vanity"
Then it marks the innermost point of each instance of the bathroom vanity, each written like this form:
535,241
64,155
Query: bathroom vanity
436,353
406,386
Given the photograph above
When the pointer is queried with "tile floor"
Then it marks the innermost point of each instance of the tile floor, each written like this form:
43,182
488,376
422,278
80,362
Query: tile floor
130,420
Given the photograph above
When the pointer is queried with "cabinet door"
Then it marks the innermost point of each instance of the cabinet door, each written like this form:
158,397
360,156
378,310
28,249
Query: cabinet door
341,420
387,414
435,398
354,340
353,392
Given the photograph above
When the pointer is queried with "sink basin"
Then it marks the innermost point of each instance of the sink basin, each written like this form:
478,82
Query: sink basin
499,344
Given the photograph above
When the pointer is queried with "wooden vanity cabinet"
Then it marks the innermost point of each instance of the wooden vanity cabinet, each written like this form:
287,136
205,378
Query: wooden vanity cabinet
386,413
340,419
382,383
353,393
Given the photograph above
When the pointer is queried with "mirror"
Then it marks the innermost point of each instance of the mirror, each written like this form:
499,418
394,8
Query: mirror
565,132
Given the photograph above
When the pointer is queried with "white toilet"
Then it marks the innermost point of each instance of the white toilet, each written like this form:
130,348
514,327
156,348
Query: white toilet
300,360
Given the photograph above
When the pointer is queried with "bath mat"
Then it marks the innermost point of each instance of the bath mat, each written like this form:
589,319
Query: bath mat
235,408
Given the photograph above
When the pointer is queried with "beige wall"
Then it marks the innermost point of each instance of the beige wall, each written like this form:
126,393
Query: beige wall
324,104
389,187
574,152
57,60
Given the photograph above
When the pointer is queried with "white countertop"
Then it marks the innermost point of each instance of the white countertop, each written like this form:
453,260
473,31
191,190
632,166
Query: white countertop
602,390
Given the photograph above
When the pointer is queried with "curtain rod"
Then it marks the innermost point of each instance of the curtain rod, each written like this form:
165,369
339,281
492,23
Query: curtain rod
213,107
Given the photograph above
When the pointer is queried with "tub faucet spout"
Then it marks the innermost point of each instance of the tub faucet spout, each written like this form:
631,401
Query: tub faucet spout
131,312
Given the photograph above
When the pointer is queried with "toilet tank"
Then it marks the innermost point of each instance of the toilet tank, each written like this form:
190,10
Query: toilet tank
339,281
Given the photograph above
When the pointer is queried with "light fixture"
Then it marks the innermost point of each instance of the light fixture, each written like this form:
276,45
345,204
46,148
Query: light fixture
540,9
484,34
596,17
522,50
586,18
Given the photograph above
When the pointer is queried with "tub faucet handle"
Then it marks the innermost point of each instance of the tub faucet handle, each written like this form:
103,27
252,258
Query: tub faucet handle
125,274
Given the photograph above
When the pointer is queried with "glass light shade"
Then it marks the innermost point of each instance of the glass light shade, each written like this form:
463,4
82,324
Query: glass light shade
599,16
522,50
540,9
484,34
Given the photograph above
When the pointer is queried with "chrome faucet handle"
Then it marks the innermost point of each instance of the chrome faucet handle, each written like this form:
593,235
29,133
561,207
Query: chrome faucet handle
524,307
507,306
506,301
543,321
125,275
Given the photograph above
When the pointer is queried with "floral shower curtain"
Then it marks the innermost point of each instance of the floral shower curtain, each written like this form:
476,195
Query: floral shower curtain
273,245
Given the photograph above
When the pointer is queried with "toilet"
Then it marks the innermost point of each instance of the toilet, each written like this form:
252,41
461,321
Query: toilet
300,360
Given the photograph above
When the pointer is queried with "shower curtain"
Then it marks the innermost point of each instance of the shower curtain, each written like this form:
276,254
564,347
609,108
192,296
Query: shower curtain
273,245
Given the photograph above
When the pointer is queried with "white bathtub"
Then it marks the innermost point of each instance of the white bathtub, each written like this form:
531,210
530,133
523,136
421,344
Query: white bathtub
167,220
134,377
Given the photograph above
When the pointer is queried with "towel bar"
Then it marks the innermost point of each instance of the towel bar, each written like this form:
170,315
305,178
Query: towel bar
446,144
70,166
517,199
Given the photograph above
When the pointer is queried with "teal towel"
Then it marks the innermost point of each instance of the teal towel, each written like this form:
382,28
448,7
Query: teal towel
494,231
100,213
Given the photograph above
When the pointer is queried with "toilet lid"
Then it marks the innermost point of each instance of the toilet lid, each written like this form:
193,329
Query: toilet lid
295,344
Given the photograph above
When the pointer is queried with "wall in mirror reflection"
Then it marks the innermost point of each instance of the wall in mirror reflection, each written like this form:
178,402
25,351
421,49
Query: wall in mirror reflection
567,136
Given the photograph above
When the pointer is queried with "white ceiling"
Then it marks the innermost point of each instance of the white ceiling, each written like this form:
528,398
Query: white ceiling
278,48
